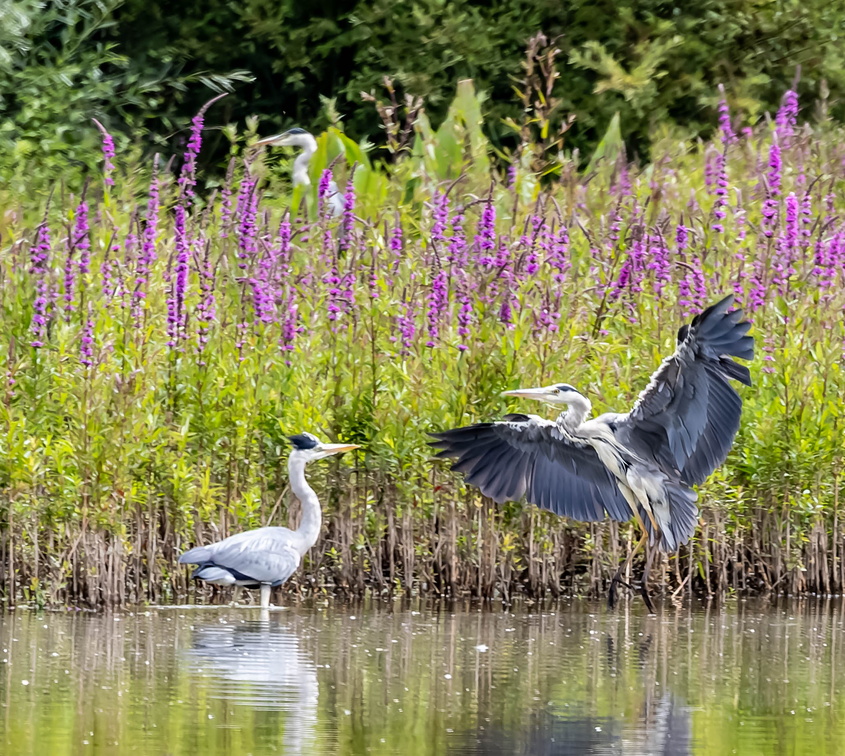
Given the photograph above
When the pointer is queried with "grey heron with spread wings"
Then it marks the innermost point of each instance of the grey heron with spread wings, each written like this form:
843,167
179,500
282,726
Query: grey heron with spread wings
641,464
266,557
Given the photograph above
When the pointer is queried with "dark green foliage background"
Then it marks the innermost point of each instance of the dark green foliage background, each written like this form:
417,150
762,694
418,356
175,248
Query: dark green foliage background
142,66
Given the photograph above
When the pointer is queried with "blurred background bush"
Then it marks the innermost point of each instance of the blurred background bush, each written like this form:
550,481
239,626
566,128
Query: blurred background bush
142,66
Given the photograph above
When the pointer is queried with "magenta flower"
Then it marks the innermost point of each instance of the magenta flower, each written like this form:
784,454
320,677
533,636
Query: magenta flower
440,216
347,220
187,176
464,315
725,129
557,256
39,269
108,154
773,181
81,240
86,341
176,315
206,308
407,326
438,302
148,249
659,264
485,236
456,251
246,213
787,116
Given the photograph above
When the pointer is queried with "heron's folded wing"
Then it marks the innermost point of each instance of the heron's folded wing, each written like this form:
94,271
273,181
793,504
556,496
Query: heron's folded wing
688,415
256,555
528,456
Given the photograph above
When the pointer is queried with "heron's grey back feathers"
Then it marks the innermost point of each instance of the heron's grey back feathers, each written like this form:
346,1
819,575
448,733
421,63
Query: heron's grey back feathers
265,555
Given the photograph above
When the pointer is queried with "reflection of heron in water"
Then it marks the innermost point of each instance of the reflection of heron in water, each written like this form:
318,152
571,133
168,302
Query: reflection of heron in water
260,665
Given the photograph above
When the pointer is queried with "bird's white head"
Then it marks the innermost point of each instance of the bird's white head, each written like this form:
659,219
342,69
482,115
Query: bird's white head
291,138
557,394
308,447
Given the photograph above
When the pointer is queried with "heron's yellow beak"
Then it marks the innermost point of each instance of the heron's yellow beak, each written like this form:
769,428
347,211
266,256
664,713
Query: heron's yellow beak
529,393
268,140
328,449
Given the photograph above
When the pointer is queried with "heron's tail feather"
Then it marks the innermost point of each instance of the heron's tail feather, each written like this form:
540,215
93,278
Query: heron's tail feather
197,555
677,518
211,573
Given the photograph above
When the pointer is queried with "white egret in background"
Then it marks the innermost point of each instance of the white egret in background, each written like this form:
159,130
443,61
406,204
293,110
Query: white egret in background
297,137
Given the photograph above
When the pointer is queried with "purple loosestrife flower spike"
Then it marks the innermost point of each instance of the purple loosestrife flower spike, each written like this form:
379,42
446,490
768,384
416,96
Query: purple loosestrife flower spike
726,131
438,302
206,311
226,201
773,180
86,341
187,176
787,117
40,265
247,213
787,246
148,249
456,252
108,154
81,240
721,194
557,256
407,326
464,314
69,283
323,188
659,264
440,216
485,236
396,246
347,220
178,280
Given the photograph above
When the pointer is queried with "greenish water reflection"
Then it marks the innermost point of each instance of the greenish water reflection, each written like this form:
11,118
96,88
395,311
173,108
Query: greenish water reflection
568,679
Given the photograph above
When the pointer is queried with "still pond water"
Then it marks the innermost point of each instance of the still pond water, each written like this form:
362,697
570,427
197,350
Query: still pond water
746,678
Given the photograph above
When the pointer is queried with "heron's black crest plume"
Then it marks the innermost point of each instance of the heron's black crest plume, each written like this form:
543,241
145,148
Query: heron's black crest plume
303,441
296,130
567,387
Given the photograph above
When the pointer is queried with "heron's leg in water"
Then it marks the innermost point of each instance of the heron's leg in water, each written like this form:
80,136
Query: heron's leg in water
644,585
617,578
265,595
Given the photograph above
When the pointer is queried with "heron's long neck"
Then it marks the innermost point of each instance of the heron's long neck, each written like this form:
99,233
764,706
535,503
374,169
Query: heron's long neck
309,526
300,165
576,413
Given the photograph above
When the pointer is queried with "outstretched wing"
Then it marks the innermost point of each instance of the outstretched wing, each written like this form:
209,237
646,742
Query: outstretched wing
263,556
688,415
527,456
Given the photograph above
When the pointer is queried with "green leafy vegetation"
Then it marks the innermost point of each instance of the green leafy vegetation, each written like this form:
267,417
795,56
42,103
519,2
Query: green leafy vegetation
158,344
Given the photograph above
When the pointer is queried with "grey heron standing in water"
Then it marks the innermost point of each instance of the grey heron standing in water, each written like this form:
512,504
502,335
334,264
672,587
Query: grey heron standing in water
642,463
297,137
267,557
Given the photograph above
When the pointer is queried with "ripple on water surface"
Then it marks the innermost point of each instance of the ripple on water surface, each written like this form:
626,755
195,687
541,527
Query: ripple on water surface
748,678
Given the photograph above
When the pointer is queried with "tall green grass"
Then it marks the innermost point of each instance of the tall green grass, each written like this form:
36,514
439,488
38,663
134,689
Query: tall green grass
174,363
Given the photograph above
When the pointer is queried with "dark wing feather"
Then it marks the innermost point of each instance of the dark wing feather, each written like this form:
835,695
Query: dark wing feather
688,416
529,457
